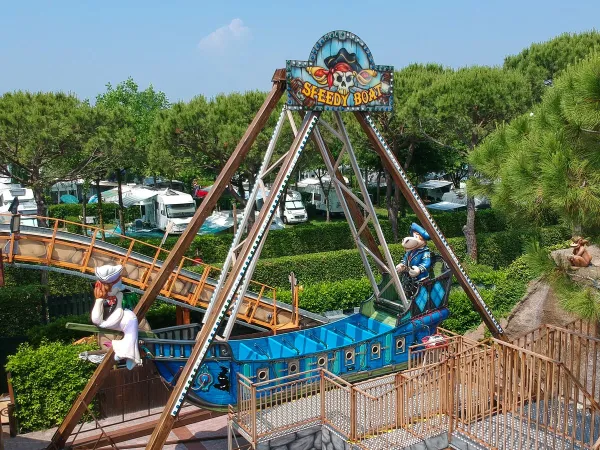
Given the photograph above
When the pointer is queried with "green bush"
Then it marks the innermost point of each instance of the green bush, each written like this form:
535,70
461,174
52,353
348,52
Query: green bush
47,381
56,331
161,315
495,250
72,228
63,210
463,317
316,237
20,309
321,297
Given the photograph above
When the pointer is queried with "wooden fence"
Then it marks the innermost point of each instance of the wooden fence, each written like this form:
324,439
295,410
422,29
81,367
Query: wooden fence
496,394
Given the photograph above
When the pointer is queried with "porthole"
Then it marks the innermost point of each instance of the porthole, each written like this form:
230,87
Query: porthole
293,367
400,344
262,374
375,350
322,361
349,356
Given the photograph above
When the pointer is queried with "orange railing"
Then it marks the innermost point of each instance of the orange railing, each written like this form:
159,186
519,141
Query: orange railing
141,262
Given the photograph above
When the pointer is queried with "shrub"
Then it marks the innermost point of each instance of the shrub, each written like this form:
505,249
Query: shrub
463,317
47,380
20,309
72,228
321,297
62,211
161,315
56,331
495,250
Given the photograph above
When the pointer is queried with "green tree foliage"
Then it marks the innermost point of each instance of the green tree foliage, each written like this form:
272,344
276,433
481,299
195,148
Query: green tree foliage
47,380
548,161
126,116
542,62
42,140
458,109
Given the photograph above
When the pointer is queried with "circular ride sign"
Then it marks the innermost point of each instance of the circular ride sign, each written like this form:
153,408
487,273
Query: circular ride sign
340,75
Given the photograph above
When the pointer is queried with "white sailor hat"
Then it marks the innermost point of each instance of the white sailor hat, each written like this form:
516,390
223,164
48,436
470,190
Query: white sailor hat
109,274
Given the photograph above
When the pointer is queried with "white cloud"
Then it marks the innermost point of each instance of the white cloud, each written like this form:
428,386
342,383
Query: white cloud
221,37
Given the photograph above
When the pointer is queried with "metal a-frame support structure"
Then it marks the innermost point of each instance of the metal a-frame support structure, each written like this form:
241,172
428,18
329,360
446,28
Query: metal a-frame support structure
243,262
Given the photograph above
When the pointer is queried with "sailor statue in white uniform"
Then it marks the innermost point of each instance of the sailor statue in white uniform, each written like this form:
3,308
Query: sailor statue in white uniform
108,313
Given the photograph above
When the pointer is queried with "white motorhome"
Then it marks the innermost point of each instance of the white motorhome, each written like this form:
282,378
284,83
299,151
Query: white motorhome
174,207
294,210
317,196
158,208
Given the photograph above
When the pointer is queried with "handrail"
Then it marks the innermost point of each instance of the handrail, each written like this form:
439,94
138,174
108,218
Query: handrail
123,237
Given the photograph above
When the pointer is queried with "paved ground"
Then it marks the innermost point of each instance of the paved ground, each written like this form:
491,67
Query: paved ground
203,433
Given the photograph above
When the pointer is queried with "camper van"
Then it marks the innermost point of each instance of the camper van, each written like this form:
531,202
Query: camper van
294,210
175,207
158,208
317,196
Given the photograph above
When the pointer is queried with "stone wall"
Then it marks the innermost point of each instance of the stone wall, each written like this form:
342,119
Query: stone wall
309,439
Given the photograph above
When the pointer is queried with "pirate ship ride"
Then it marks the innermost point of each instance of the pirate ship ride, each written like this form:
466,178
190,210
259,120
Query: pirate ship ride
406,305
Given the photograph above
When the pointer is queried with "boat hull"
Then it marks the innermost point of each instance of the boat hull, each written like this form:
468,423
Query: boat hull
354,347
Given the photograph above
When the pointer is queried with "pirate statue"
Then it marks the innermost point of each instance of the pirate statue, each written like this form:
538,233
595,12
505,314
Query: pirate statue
109,313
417,259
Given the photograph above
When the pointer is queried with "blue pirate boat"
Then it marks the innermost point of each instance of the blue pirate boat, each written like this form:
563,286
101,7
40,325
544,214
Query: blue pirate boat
373,341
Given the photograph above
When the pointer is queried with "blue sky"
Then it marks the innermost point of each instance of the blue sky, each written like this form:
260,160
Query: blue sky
186,48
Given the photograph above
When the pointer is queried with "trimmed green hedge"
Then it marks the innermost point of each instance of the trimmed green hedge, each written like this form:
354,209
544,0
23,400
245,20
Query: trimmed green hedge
58,284
65,210
316,237
20,309
321,297
47,380
495,250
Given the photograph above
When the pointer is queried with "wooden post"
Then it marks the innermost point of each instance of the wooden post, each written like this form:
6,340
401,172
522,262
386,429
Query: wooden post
64,430
417,205
353,415
398,382
322,396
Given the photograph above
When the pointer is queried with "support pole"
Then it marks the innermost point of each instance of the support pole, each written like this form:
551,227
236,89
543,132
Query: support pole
232,284
62,433
417,205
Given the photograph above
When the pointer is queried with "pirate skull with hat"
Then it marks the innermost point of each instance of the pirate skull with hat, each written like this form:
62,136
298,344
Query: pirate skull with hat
109,296
417,259
341,72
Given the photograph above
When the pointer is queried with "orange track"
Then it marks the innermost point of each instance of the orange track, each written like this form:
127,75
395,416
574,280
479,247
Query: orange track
82,253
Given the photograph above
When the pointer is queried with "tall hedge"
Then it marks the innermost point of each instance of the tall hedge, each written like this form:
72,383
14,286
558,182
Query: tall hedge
495,249
47,381
313,237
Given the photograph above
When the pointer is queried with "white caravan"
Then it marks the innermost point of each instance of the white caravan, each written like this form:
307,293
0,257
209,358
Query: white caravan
158,208
317,196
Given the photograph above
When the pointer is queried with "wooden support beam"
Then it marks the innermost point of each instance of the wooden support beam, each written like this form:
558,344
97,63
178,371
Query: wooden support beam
279,83
417,205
